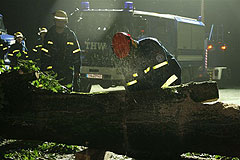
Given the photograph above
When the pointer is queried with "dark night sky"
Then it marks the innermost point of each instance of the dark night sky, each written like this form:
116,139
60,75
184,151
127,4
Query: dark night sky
28,15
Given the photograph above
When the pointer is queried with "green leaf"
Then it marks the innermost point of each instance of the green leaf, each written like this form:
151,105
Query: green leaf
69,85
1,70
18,54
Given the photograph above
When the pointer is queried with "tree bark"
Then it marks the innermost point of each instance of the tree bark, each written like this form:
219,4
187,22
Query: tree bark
148,124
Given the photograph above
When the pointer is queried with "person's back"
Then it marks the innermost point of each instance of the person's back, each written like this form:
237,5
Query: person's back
162,62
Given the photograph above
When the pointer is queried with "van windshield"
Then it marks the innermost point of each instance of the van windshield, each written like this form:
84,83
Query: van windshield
95,30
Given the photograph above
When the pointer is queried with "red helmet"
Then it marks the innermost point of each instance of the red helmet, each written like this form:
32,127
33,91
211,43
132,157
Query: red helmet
121,43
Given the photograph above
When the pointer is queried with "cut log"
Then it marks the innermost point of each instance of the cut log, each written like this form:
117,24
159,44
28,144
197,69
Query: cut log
149,124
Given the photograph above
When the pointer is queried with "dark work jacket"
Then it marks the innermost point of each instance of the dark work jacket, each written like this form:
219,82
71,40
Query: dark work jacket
17,51
150,54
61,53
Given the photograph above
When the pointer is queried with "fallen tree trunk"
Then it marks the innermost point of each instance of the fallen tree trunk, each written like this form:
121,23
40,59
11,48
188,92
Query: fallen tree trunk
144,125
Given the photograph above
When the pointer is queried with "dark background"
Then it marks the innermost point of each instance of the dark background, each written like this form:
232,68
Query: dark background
28,15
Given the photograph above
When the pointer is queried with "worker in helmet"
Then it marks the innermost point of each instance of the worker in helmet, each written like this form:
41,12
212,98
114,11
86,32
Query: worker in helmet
146,63
42,32
37,52
3,47
18,50
62,51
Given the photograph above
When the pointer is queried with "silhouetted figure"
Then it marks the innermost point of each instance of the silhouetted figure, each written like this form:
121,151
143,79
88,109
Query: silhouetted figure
146,63
62,51
18,50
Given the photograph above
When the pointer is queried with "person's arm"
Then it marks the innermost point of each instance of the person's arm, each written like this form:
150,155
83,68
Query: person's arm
45,60
75,53
24,50
12,55
4,48
75,60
